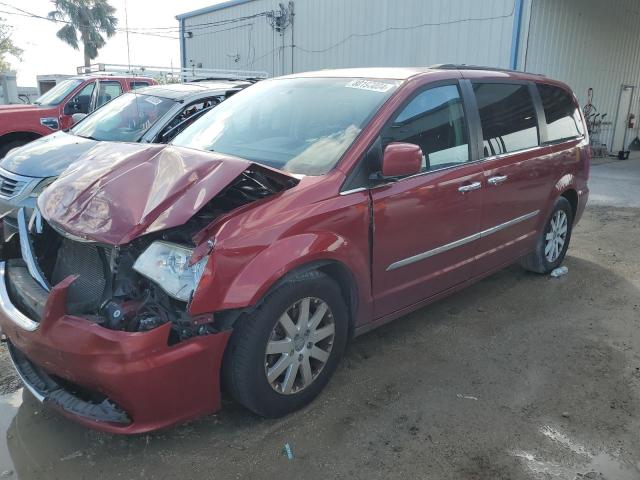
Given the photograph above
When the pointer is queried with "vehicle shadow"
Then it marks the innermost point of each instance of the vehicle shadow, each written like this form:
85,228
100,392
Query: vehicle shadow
459,380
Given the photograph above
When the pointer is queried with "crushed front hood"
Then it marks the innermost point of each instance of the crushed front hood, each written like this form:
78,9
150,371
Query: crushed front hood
118,192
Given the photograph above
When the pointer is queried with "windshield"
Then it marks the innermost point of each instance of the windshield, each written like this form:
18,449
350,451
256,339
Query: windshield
301,125
58,93
124,119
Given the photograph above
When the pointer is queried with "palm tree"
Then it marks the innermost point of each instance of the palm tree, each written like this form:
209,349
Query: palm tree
7,47
90,18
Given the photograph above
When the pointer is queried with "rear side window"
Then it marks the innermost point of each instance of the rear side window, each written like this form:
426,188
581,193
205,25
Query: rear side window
107,91
138,84
507,116
562,114
435,121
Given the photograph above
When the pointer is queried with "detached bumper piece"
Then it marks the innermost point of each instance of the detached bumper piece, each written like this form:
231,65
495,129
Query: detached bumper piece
48,390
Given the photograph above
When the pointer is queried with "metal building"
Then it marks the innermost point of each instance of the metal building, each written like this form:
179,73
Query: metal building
592,45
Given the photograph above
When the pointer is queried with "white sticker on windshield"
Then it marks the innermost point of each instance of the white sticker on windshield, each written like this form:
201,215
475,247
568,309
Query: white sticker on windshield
369,85
153,100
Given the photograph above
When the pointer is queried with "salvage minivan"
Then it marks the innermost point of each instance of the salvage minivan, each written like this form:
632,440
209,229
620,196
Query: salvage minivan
301,212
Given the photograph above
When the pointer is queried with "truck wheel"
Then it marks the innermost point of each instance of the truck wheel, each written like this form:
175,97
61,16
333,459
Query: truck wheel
4,149
282,354
553,241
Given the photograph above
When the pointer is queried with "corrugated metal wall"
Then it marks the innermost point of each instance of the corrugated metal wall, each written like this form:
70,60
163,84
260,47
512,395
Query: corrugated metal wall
587,43
351,33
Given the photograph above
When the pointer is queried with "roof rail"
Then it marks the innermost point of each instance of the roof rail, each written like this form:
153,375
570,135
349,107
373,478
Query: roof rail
170,74
464,66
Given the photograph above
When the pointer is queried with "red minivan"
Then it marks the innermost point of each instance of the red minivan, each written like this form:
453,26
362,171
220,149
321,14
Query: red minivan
301,212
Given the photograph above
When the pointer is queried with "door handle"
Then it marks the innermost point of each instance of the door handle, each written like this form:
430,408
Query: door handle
497,180
470,187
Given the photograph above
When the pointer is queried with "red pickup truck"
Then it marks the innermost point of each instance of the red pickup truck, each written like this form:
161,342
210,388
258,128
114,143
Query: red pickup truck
53,111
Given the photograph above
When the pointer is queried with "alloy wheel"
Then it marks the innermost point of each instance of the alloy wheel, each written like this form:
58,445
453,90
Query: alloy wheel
556,236
299,346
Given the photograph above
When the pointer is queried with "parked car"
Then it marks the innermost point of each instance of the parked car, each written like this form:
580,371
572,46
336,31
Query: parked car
151,114
53,111
300,213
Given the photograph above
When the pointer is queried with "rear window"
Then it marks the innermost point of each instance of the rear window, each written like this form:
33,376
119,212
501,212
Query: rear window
562,114
507,117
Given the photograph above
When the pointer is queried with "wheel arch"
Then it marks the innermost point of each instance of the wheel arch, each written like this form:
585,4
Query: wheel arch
566,187
571,194
22,135
243,290
336,271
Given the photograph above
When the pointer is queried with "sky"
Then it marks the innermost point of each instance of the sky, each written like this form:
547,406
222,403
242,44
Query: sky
44,53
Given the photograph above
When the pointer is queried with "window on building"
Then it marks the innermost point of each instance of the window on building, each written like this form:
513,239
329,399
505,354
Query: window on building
561,113
507,116
435,121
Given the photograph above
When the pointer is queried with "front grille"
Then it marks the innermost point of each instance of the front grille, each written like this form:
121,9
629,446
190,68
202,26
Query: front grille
11,184
86,260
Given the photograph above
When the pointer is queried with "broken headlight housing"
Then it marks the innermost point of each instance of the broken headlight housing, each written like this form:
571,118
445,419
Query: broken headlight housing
167,264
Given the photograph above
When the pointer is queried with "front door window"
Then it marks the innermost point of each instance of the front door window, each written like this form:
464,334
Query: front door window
81,102
435,121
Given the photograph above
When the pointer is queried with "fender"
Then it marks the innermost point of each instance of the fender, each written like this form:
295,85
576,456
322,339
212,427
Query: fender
568,181
216,293
15,134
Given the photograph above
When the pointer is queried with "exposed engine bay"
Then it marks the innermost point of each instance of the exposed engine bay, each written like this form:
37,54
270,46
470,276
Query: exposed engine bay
112,288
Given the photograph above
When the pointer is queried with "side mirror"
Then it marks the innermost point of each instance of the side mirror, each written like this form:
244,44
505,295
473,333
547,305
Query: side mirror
401,160
76,117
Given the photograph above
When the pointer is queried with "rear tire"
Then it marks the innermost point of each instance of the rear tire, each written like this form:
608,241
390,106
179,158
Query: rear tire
306,354
553,241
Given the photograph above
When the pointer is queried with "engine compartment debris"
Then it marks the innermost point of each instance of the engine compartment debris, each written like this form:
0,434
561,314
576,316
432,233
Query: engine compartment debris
109,290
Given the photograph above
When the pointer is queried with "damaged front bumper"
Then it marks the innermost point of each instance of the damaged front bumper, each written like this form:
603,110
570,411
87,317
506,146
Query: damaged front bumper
112,381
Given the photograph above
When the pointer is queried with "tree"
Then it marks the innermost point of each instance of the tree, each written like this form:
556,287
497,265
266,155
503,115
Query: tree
90,18
7,47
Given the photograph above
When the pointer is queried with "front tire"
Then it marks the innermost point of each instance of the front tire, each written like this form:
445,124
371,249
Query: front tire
282,354
553,241
7,147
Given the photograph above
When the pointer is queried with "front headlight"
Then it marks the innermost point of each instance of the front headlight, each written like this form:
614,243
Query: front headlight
167,264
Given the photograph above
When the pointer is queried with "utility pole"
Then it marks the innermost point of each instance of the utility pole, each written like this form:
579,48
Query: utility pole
293,45
126,28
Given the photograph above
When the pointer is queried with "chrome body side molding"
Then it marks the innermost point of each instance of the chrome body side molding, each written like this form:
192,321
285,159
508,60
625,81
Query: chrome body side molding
458,243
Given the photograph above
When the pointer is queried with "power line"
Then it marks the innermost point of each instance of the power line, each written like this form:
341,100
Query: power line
24,13
199,28
222,30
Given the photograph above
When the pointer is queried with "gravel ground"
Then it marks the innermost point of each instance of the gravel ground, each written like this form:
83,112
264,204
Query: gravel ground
8,379
517,377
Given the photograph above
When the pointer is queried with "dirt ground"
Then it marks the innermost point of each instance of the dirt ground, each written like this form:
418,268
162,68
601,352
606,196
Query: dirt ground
518,377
